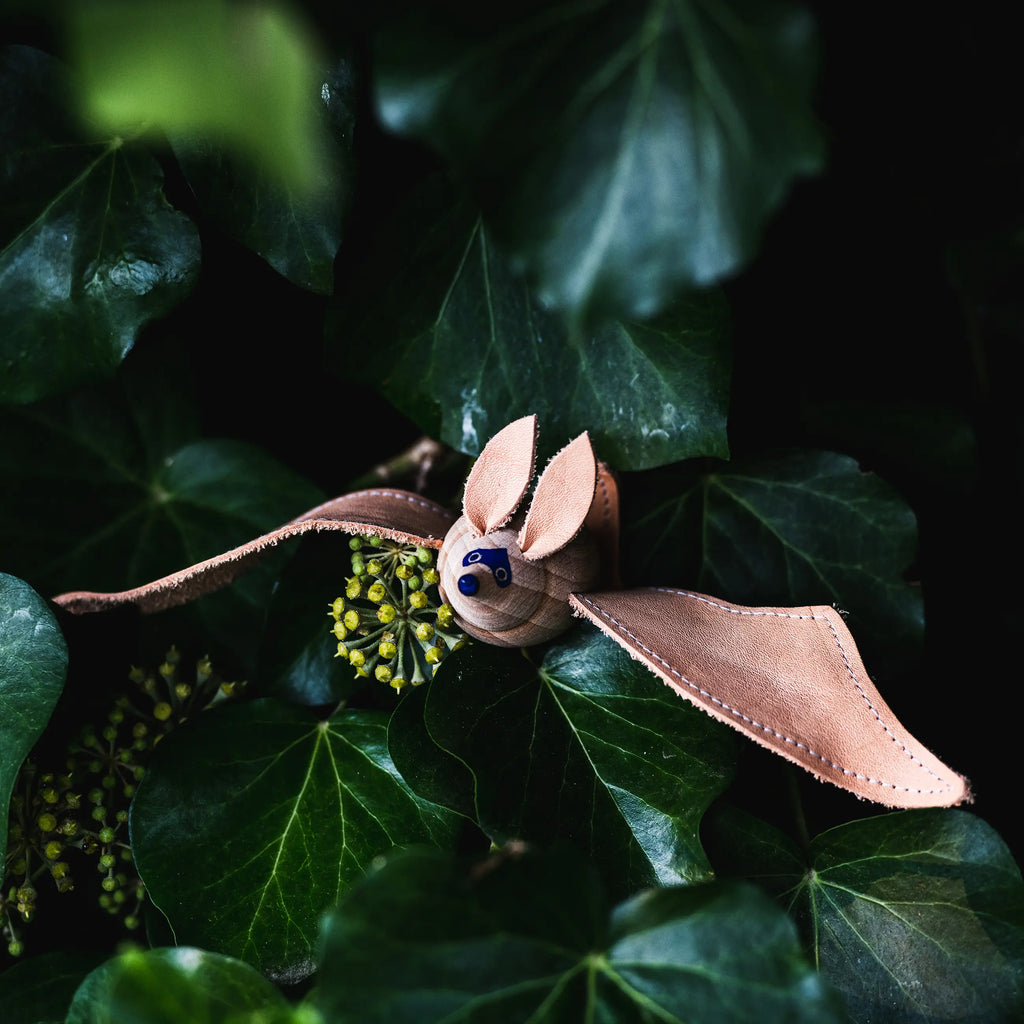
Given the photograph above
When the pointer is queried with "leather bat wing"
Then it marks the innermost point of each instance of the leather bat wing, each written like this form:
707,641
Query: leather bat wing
386,512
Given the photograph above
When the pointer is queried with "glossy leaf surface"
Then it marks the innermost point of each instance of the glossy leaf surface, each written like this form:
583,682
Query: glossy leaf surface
472,349
795,528
275,814
33,663
670,132
531,938
915,917
585,746
90,250
171,986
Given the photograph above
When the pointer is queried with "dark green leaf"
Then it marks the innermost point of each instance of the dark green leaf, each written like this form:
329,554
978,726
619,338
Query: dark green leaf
529,938
797,528
668,133
470,349
33,663
298,234
38,990
587,746
172,986
89,248
256,818
110,488
916,917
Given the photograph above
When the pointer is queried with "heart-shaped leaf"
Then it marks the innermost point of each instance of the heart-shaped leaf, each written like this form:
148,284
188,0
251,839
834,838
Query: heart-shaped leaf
669,133
256,818
469,348
585,746
171,986
530,938
110,488
915,917
33,663
801,527
89,248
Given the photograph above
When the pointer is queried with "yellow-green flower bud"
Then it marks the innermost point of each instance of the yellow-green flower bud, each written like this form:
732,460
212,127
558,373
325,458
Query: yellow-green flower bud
355,543
418,600
387,649
445,616
404,572
399,683
342,651
50,795
375,542
353,588
386,613
53,849
337,606
357,659
339,630
351,619
424,632
182,691
433,655
377,593
374,567
162,711
47,822
140,729
424,556
383,673
166,670
431,577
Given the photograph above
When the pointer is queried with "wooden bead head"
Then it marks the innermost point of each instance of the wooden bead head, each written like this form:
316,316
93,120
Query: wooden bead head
509,583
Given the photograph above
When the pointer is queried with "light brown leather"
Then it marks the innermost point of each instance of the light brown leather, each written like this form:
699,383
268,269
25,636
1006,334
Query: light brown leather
499,477
602,523
386,512
789,678
561,500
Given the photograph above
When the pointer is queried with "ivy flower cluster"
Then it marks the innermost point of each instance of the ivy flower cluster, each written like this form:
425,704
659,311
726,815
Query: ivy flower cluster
60,821
391,622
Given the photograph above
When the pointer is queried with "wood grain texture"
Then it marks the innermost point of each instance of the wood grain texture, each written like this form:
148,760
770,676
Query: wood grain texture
534,606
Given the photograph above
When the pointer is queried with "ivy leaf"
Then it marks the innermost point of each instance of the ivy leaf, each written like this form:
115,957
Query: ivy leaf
38,990
800,527
255,818
33,664
148,496
168,986
471,349
531,938
586,746
915,916
89,248
671,132
297,232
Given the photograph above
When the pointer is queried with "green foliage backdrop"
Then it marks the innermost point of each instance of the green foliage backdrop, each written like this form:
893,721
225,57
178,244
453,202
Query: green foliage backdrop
768,254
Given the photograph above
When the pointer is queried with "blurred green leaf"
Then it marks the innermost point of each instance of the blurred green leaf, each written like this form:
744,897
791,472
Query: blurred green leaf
782,530
469,349
621,151
174,986
530,938
297,232
915,917
89,248
33,663
585,746
254,819
243,74
38,990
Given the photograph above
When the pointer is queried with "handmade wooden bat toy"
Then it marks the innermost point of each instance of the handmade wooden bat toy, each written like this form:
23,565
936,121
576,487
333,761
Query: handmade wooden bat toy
789,678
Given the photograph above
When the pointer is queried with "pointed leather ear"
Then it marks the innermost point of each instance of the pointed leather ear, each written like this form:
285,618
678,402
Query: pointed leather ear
561,501
386,512
499,479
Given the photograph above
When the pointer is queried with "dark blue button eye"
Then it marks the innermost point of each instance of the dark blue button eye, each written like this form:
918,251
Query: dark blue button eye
468,584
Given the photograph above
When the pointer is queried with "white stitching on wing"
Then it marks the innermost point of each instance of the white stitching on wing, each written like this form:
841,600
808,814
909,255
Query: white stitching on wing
947,787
